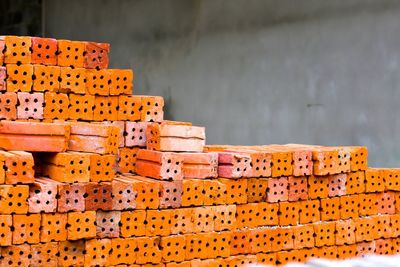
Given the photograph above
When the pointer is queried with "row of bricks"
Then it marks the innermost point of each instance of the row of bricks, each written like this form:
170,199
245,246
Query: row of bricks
48,51
141,250
59,106
161,165
290,159
38,78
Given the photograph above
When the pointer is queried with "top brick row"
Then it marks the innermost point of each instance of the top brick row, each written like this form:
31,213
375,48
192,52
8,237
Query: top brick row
52,52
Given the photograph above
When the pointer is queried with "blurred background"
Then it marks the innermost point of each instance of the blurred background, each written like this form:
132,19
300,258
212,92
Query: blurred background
251,71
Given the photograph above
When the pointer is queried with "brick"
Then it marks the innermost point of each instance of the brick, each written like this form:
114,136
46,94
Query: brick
345,232
98,82
147,192
337,185
346,251
96,55
42,196
97,252
281,164
18,166
159,165
123,195
309,211
44,51
71,253
267,214
53,227
383,226
330,209
148,250
16,255
326,160
259,240
105,108
349,207
343,165
98,196
56,106
121,81
14,199
200,165
303,236
152,108
181,221
367,204
81,225
266,258
302,162
224,217
102,167
396,245
70,53
324,234
158,222
281,239
173,248
318,187
34,136
374,181
8,109
257,189
214,192
365,248
94,138
67,167
326,252
133,223
385,203
288,213
358,158
72,80
261,163
174,137
246,215
395,225
121,127
383,247
240,243
127,159
30,105
277,190
44,254
81,107
365,229
236,190
391,178
298,188
355,183
135,133
233,165
17,50
192,192
122,251
71,197
46,78
129,108
26,229
5,230
107,224
2,48
19,78
241,260
203,219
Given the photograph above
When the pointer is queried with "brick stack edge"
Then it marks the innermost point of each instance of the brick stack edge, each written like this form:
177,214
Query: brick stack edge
91,175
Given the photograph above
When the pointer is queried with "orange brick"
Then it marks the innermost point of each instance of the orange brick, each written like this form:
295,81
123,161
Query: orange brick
233,165
148,250
288,213
355,183
152,108
365,248
349,207
2,48
44,254
326,160
97,252
330,209
368,204
309,211
105,108
46,78
224,217
135,134
240,242
159,165
385,203
282,239
391,178
19,78
345,232
324,234
277,189
16,255
71,253
246,215
8,109
5,230
395,225
127,159
203,219
26,229
192,192
337,185
181,221
107,224
123,251
266,258
121,82
56,106
44,51
303,236
81,107
173,248
53,227
102,167
318,187
365,229
18,50
235,190
96,55
30,105
98,196
358,158
158,222
18,166
71,197
374,181
98,82
200,165
70,53
72,80
81,225
123,195
257,189
147,192
129,108
133,223
346,251
383,226
214,192
384,247
298,189
14,199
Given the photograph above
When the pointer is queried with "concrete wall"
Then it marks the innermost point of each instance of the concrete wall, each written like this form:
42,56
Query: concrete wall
258,72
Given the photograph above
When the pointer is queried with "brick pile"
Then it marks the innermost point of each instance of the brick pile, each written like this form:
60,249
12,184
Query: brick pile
92,175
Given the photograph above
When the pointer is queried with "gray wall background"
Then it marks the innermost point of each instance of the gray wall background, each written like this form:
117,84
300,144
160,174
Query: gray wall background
257,71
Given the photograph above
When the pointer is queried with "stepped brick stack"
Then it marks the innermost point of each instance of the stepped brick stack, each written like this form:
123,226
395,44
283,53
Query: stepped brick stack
92,175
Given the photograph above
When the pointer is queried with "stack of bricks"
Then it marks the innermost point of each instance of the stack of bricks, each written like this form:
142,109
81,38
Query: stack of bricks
92,175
